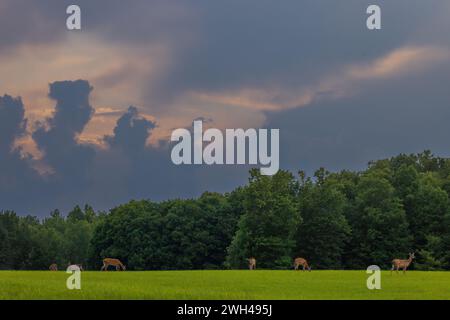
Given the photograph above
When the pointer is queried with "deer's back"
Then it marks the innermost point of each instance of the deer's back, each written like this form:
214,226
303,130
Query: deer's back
112,261
399,262
300,261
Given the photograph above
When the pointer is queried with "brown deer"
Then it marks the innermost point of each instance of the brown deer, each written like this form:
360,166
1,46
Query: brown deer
403,264
112,262
301,262
251,263
53,267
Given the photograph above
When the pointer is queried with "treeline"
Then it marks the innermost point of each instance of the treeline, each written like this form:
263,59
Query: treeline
27,243
345,220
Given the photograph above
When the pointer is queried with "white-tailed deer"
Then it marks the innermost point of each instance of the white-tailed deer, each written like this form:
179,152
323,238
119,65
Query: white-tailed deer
112,262
53,267
402,264
301,262
251,263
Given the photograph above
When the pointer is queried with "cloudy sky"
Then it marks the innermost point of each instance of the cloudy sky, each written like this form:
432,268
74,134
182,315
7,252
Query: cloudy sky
85,116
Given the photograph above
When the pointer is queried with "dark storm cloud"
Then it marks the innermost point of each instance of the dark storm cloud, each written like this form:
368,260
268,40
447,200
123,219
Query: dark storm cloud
131,131
131,169
57,137
17,178
29,22
44,21
13,122
392,117
127,169
220,46
223,45
290,43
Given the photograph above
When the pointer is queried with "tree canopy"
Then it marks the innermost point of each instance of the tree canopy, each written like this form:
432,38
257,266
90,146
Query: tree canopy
341,220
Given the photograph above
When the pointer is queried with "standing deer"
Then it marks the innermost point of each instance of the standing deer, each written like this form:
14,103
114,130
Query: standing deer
403,264
112,262
251,263
301,262
53,267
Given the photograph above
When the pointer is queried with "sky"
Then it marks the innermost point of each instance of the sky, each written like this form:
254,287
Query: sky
86,116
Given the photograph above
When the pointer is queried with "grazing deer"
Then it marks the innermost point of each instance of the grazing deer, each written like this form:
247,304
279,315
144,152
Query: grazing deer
403,264
53,267
301,262
112,262
251,263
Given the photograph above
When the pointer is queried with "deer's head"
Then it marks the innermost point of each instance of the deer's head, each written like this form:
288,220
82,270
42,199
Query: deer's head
411,255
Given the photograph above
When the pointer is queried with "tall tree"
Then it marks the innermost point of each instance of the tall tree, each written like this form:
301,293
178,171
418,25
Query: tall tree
322,236
270,218
379,225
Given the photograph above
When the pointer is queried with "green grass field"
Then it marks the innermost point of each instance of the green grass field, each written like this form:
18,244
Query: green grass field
240,284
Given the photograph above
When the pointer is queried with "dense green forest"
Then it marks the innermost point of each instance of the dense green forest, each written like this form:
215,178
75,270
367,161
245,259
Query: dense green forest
344,220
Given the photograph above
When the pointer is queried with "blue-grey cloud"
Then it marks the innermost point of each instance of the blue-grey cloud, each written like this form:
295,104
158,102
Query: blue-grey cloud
30,22
126,169
57,137
17,178
389,118
13,125
131,128
223,46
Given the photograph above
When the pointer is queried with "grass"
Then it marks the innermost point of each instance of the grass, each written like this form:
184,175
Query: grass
224,285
